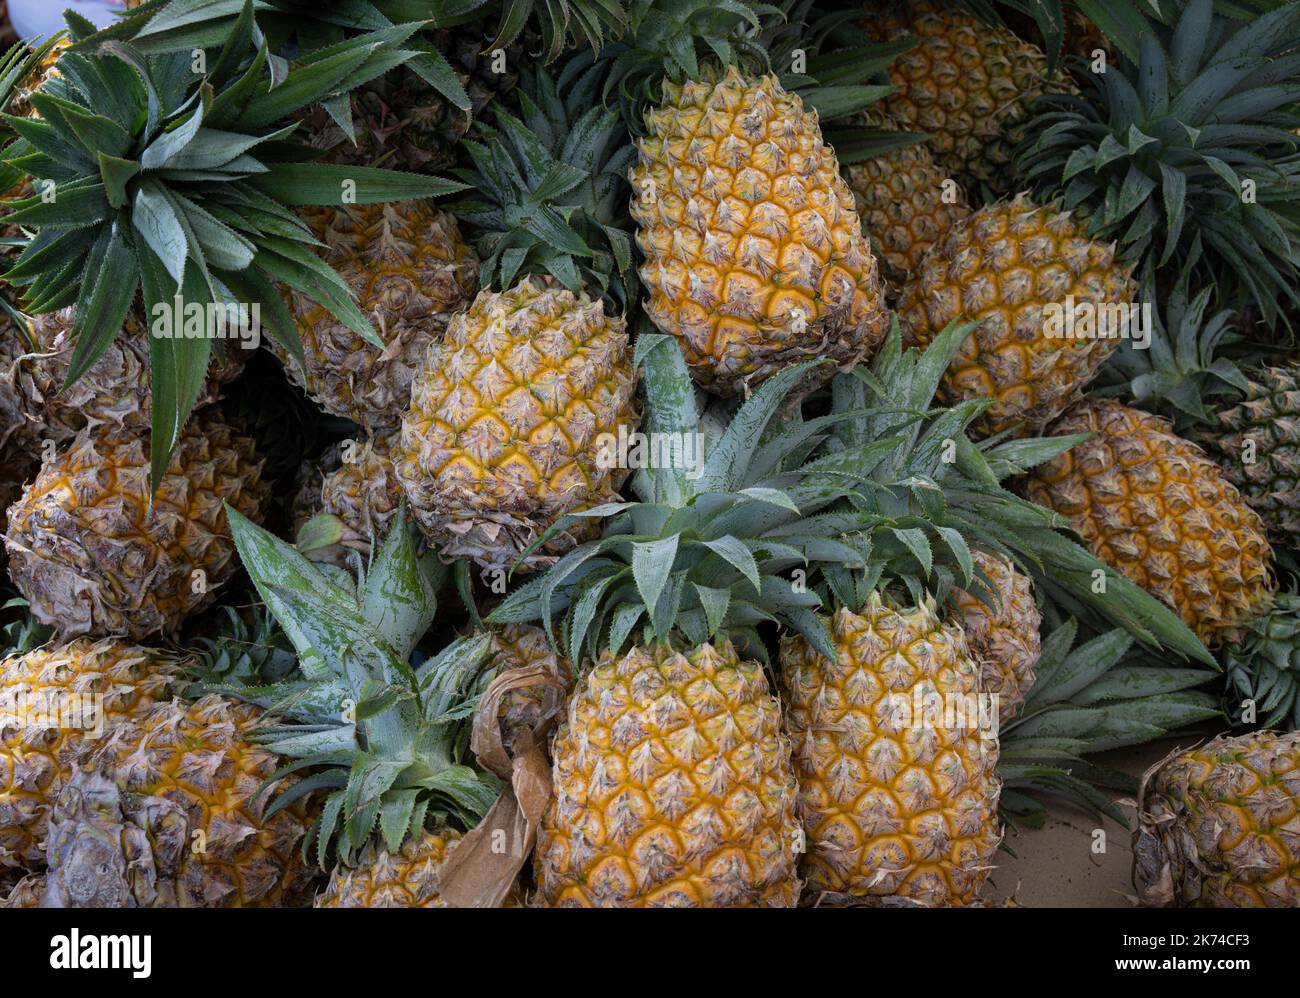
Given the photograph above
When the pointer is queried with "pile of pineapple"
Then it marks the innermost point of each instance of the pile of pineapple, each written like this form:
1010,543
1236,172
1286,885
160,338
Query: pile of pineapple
654,437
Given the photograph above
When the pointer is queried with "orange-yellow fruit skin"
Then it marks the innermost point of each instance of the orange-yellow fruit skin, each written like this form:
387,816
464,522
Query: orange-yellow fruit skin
673,787
1219,825
509,416
53,702
91,554
1005,638
410,272
1013,267
894,803
754,253
1152,506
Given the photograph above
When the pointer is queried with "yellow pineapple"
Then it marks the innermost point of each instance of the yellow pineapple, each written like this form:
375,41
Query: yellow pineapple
187,781
673,787
1152,506
754,252
54,702
1005,638
501,437
967,84
1219,825
410,271
892,803
1017,267
93,555
904,205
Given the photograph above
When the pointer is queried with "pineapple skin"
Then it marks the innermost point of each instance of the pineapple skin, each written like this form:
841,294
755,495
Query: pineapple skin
113,395
889,809
1269,418
899,196
410,272
198,758
1002,266
524,646
1219,826
92,558
967,84
501,437
363,493
406,879
1152,506
673,787
754,253
92,683
1005,641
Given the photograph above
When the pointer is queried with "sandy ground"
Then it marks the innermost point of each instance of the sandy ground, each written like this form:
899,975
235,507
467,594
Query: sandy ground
1059,865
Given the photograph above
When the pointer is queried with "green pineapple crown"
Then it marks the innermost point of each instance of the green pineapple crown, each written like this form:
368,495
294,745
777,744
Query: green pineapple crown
701,552
550,190
928,494
1092,695
387,741
1263,664
151,181
1194,138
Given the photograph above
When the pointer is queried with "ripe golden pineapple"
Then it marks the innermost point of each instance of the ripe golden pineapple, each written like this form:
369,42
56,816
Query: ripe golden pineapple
92,557
1004,640
500,439
754,253
185,779
1005,265
1152,506
673,787
113,394
381,879
1258,447
1220,825
410,271
54,702
901,199
893,804
966,83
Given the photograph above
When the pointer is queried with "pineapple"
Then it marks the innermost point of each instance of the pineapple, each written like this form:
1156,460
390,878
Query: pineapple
902,202
95,554
502,437
410,271
1257,445
354,484
891,806
113,394
1220,825
1007,265
1004,638
673,786
754,252
1151,505
404,879
55,701
173,813
968,84
523,646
